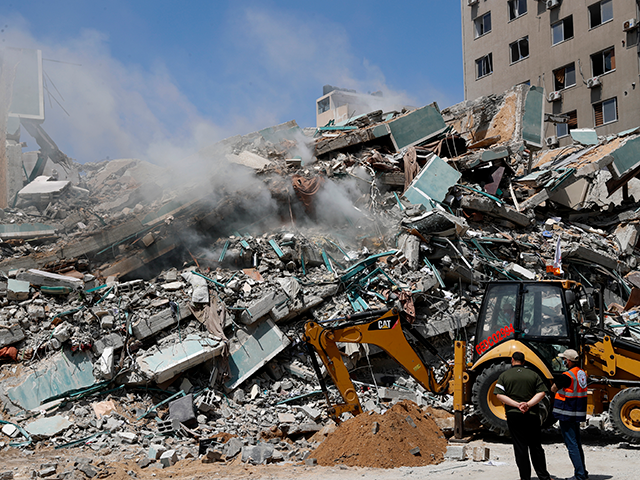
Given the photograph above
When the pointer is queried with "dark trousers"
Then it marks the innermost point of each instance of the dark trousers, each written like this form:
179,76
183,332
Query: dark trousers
571,435
525,433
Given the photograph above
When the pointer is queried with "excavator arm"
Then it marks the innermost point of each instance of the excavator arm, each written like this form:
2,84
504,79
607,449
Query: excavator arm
384,331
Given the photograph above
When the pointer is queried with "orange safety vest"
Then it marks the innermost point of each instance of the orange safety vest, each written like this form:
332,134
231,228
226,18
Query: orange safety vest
571,402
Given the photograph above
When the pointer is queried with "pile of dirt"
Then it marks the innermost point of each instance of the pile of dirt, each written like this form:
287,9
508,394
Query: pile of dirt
405,435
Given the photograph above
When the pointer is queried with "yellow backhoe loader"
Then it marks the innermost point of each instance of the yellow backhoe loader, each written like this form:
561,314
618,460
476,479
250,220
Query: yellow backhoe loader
540,319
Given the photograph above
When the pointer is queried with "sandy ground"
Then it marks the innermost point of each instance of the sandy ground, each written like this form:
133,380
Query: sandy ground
607,458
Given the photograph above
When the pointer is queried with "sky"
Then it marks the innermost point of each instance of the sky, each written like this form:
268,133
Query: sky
158,80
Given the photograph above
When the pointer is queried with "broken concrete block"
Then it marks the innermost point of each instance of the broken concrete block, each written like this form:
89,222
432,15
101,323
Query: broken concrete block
107,322
303,428
10,430
375,427
41,278
286,418
169,458
481,454
127,437
415,451
584,253
17,290
88,470
47,472
168,427
173,286
144,328
113,340
393,395
233,447
174,359
35,312
212,456
535,200
207,401
627,236
258,454
311,462
456,452
11,335
260,308
409,245
7,475
520,272
299,370
62,332
411,422
155,451
182,410
312,413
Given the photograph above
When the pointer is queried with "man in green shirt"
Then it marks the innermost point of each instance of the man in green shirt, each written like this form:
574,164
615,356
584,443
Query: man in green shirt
521,389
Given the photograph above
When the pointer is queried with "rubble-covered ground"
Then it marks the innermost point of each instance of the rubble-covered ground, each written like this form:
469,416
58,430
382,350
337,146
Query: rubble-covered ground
151,316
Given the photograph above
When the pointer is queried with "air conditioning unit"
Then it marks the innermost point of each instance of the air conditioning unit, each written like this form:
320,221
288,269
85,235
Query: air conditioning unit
551,141
471,3
630,24
593,82
554,96
552,4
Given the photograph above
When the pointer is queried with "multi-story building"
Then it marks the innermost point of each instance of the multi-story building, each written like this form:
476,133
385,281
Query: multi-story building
585,53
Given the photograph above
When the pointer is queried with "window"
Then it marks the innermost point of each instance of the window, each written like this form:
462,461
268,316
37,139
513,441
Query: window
517,8
519,49
562,30
605,112
483,24
600,13
603,62
484,66
563,129
564,77
324,105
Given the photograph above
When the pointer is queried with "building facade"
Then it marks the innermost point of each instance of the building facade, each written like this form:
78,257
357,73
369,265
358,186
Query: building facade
585,53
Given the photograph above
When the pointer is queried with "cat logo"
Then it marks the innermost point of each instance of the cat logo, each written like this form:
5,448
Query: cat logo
385,324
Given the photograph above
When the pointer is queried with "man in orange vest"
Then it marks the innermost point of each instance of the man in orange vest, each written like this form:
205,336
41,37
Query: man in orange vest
570,408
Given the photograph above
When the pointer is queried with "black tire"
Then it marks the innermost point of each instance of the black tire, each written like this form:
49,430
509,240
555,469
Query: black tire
624,412
486,406
546,416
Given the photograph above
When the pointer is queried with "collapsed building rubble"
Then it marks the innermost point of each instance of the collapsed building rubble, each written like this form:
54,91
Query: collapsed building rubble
149,312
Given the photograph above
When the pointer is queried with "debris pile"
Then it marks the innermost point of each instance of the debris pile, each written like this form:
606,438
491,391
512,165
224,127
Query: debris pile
405,435
151,313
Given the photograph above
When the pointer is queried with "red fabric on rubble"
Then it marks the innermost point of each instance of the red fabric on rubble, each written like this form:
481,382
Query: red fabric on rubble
306,188
9,353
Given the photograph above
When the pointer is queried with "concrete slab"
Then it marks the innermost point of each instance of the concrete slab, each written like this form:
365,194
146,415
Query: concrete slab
42,185
416,127
179,357
249,159
585,136
432,183
252,348
41,278
63,372
48,426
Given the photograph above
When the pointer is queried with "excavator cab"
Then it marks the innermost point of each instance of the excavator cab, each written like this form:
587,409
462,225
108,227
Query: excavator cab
535,313
540,319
